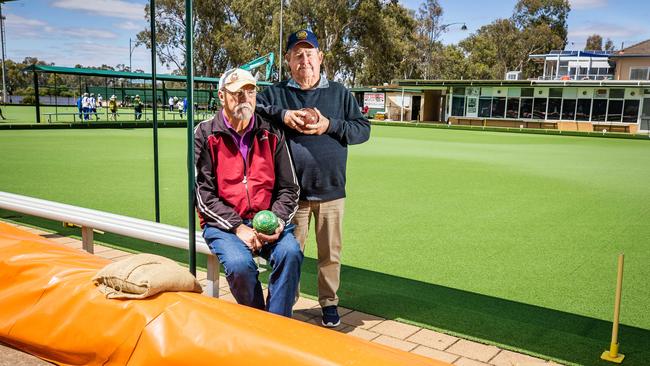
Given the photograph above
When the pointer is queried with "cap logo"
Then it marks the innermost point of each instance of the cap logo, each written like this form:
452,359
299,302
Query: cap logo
301,35
233,77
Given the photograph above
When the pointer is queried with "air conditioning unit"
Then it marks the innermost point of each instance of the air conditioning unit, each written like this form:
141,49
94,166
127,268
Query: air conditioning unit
513,75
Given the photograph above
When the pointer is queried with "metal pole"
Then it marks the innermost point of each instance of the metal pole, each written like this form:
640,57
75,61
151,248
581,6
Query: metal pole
56,98
190,135
164,100
37,98
2,38
130,69
152,8
617,300
280,48
106,96
613,355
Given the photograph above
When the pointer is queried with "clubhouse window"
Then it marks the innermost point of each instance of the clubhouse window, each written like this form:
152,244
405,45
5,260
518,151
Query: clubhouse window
617,93
615,110
554,105
458,106
484,106
569,109
639,73
526,108
599,110
539,108
631,111
555,92
527,92
583,109
512,111
498,107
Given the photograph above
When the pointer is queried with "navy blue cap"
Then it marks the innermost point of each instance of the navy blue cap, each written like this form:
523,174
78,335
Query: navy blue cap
300,36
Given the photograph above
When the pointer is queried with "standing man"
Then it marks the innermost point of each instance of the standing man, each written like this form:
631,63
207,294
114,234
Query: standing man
85,106
93,105
319,152
80,107
243,167
112,105
137,107
170,102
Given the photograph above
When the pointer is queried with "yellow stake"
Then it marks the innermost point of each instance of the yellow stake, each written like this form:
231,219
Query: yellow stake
612,355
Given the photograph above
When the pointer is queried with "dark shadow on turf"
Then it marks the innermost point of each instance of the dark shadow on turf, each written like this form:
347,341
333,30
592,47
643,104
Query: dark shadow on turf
551,333
513,325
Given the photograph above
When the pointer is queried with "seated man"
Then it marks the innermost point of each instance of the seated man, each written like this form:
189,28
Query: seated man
243,167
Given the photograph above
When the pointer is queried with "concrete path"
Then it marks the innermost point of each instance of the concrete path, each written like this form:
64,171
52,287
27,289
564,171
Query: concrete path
410,338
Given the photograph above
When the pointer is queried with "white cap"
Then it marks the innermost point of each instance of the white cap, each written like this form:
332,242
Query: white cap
234,79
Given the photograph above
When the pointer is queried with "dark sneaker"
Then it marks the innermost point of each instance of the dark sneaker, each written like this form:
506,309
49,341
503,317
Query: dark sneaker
331,317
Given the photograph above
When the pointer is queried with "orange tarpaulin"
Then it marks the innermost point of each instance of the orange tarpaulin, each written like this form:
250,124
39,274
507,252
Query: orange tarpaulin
50,308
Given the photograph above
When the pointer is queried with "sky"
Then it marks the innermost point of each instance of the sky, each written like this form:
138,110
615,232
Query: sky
96,32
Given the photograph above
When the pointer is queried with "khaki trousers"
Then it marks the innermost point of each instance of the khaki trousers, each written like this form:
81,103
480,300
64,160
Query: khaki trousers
328,219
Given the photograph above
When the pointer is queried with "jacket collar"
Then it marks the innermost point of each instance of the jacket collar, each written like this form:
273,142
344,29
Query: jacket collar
322,83
219,126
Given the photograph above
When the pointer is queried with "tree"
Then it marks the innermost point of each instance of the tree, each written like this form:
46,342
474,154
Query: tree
428,33
609,45
594,43
332,21
551,13
495,49
208,22
452,64
382,40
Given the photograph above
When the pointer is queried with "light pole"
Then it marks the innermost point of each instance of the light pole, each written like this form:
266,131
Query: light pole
280,48
2,39
131,49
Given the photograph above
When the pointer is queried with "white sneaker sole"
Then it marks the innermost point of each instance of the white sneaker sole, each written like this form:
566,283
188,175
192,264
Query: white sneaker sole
330,324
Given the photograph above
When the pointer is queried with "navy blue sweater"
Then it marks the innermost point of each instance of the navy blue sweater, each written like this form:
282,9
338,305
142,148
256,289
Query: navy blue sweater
320,160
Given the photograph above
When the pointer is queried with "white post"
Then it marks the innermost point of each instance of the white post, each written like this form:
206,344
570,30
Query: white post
212,289
401,114
87,239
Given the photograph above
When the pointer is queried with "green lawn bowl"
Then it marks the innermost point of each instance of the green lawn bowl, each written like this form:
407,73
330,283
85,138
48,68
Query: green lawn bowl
265,222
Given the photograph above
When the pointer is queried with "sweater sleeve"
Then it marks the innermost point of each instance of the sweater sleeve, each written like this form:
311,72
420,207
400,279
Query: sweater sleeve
208,204
268,109
353,128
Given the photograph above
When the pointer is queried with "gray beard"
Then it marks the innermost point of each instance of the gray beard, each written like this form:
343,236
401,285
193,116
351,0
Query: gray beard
243,112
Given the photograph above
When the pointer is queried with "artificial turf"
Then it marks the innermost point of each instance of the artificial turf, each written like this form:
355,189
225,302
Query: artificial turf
508,238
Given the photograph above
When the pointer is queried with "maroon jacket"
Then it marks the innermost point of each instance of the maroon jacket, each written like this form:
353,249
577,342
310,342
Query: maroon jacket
229,191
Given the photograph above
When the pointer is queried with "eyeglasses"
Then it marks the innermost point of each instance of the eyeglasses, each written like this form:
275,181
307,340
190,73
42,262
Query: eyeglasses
243,92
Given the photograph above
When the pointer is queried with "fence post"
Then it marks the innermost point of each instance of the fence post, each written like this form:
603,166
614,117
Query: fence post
212,288
87,239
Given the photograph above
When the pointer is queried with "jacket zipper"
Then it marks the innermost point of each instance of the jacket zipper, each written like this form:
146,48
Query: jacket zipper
245,181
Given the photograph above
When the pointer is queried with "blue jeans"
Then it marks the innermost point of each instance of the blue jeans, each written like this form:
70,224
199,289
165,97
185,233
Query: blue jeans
284,256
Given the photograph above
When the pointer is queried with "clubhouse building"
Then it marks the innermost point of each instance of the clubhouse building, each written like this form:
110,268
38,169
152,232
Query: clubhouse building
579,91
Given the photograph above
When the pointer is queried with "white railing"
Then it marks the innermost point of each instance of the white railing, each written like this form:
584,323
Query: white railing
90,219
578,77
